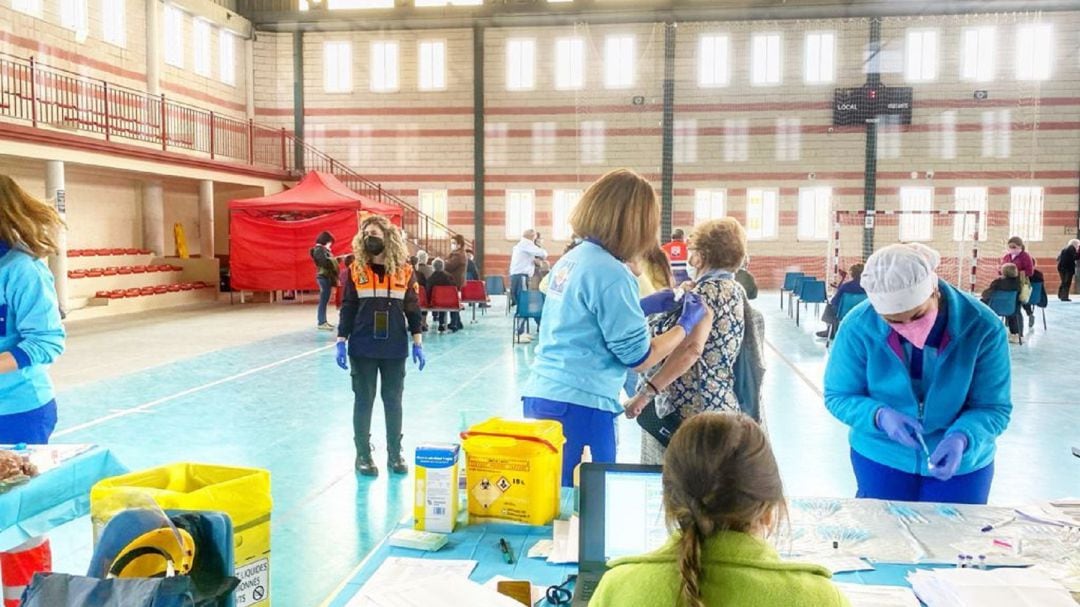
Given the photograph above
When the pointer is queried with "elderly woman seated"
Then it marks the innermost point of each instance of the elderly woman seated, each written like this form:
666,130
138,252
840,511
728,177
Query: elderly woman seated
1010,282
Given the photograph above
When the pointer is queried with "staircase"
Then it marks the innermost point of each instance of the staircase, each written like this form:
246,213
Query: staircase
52,98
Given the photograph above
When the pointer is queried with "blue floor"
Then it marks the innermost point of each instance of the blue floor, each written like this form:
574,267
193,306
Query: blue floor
282,404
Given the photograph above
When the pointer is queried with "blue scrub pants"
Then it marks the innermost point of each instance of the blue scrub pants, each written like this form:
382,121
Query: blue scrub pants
33,427
581,426
882,482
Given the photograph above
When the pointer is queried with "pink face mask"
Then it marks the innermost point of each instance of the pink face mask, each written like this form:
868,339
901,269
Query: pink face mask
917,331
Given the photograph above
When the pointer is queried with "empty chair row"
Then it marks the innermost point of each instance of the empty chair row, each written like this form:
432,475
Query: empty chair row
105,252
154,290
123,271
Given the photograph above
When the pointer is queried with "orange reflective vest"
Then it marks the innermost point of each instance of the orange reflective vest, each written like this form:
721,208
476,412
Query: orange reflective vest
369,295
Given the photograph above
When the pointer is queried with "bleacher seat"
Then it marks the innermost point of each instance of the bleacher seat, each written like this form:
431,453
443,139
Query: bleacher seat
475,294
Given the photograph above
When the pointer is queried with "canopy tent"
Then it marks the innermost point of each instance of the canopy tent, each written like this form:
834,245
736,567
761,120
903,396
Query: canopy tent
270,236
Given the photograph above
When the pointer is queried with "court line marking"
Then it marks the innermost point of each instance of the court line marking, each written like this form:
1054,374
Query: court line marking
798,372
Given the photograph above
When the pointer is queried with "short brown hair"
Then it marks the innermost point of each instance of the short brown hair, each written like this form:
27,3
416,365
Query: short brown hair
721,243
621,212
1009,270
856,270
1016,240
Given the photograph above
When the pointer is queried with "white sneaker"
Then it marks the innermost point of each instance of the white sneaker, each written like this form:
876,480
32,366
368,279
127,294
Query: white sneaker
525,338
326,327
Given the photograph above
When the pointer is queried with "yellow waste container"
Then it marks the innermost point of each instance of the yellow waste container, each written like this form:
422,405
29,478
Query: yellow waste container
514,469
242,493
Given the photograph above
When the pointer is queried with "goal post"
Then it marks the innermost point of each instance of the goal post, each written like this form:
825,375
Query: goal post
955,234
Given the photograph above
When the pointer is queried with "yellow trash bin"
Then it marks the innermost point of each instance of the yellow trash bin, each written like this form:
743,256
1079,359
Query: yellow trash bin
514,470
242,493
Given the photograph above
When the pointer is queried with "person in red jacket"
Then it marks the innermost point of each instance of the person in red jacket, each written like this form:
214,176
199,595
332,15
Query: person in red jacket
678,254
1016,253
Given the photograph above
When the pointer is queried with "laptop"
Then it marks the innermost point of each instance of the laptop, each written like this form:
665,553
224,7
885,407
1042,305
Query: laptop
621,513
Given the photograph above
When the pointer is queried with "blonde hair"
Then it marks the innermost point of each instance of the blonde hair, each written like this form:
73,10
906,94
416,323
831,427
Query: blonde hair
656,267
720,474
721,243
395,253
27,222
1009,270
621,212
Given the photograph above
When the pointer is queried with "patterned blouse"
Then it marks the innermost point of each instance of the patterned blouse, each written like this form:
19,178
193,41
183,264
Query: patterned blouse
710,384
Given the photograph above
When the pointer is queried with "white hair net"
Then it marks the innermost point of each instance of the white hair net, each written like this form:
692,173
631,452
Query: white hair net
900,277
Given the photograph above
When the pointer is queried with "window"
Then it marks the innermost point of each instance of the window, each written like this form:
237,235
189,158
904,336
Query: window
29,7
113,26
619,62
788,138
820,58
761,214
1034,51
384,67
201,32
1026,213
227,57
978,54
685,141
922,55
520,64
736,139
351,4
543,143
815,213
709,204
73,14
592,142
448,2
713,64
563,203
432,65
519,212
916,226
174,36
765,61
997,133
496,138
970,199
337,67
433,204
569,64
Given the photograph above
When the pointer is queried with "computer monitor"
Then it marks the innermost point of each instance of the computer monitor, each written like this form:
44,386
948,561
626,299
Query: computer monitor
622,512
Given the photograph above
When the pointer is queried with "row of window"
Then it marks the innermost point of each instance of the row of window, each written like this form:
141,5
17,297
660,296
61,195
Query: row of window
815,218
74,15
978,47
202,35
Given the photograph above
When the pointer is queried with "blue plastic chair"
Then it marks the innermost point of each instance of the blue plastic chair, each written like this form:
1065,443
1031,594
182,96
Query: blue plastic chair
789,285
530,304
796,288
1006,304
811,291
1038,299
495,285
848,301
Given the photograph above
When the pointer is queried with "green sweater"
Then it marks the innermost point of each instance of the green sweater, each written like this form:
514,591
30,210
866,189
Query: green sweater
738,569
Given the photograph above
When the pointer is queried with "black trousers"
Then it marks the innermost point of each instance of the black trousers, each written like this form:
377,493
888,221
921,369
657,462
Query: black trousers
365,373
1066,284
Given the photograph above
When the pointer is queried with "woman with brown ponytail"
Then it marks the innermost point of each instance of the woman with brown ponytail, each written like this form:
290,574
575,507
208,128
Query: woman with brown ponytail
722,497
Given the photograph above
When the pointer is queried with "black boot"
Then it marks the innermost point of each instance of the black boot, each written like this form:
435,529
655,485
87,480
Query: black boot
365,465
394,460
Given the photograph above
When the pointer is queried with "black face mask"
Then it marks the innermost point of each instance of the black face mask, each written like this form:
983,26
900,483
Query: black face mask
374,245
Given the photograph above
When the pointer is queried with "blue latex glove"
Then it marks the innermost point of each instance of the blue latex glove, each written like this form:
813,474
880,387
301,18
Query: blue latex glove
946,458
658,303
693,310
418,356
901,428
342,356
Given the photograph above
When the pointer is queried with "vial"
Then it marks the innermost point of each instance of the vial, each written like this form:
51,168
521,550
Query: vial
982,562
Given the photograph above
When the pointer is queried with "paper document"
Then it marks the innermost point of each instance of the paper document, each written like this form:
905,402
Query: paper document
398,571
860,595
841,564
566,542
993,588
542,549
443,590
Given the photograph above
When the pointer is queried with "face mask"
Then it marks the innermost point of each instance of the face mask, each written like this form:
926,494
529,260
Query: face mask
917,331
453,247
692,272
373,245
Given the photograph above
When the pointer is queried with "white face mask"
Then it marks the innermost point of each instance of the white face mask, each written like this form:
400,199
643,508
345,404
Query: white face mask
691,271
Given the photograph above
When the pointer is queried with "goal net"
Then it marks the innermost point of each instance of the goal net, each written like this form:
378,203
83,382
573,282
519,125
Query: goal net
954,234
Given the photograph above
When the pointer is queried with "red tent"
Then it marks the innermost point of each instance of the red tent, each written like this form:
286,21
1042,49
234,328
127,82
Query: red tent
270,236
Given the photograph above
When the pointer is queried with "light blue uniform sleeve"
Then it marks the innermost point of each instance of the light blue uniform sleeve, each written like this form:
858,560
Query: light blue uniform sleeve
622,323
989,404
846,388
37,316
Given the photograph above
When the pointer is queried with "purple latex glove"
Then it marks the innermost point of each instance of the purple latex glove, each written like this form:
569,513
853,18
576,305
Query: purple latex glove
418,356
900,428
946,458
693,310
342,356
658,303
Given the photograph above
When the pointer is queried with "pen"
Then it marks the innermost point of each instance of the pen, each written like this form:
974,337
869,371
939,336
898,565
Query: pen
1000,523
508,556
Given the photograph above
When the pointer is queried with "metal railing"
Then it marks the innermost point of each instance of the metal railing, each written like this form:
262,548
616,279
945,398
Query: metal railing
52,97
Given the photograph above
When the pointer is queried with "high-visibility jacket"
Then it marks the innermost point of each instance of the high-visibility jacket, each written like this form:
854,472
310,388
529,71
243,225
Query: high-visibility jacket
370,292
678,254
19,565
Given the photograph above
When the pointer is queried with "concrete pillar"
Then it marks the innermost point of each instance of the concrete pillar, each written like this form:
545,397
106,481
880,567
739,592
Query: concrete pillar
154,18
153,217
206,219
55,191
249,66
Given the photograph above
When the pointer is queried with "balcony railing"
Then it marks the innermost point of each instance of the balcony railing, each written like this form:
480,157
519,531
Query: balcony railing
46,96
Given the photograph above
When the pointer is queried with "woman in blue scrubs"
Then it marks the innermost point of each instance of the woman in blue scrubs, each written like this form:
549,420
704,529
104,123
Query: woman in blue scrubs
594,324
921,374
